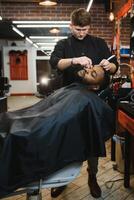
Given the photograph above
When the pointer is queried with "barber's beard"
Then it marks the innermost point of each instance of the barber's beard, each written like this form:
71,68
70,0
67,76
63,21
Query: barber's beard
80,38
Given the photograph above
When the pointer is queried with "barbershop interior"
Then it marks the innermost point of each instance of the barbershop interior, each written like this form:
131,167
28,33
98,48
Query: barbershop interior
48,131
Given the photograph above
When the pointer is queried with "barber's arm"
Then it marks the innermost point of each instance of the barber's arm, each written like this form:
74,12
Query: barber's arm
64,63
112,65
57,54
67,62
108,66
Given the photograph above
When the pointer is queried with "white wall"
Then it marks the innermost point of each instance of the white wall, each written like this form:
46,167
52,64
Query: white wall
21,86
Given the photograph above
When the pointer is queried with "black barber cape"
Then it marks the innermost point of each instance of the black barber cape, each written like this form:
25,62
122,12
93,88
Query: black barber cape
70,125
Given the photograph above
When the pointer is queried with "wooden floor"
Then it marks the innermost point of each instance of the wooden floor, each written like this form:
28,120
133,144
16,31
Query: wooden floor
111,183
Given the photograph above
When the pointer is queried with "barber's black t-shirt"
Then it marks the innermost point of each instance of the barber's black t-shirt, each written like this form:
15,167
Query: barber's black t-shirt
94,48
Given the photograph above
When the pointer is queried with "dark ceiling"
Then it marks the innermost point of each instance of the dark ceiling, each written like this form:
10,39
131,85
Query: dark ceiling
6,31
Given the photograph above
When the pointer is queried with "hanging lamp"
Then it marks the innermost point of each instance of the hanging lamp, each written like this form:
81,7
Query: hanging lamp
0,11
54,30
111,14
48,3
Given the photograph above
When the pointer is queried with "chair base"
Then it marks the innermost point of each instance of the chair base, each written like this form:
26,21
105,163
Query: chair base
34,195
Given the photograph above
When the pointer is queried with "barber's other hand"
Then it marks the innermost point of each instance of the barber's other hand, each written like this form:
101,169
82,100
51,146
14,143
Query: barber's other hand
83,61
105,64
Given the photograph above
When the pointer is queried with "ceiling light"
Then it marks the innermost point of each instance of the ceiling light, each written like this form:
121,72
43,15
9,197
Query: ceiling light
111,16
45,43
56,39
48,3
0,18
30,41
17,31
41,25
36,45
89,5
47,48
48,37
41,22
54,30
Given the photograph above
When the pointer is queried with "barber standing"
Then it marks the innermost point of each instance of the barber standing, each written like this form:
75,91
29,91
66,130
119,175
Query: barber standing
82,50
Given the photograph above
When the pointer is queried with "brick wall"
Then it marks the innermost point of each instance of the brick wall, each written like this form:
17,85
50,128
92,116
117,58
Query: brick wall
125,31
101,26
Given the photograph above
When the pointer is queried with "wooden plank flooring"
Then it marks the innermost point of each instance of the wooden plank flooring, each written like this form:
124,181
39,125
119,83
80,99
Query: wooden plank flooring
78,189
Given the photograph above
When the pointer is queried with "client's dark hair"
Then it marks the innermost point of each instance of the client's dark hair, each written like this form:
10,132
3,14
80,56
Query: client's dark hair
80,17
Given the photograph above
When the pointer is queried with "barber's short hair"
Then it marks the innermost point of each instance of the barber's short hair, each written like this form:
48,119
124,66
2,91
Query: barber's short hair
80,17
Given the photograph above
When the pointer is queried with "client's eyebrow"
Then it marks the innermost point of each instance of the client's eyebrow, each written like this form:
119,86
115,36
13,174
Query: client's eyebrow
93,73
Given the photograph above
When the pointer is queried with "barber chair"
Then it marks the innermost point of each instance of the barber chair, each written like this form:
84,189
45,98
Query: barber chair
60,178
4,88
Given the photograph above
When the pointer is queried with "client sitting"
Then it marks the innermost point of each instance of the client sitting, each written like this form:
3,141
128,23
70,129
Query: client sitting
70,125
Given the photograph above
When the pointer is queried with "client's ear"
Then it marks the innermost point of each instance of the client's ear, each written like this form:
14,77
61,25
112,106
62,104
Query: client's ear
81,73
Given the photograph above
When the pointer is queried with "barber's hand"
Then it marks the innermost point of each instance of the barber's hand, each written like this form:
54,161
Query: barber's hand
83,61
106,65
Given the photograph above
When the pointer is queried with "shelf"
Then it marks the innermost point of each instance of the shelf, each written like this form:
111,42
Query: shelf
125,55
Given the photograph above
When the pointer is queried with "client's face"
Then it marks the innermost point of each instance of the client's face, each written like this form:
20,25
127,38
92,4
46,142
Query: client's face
93,76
